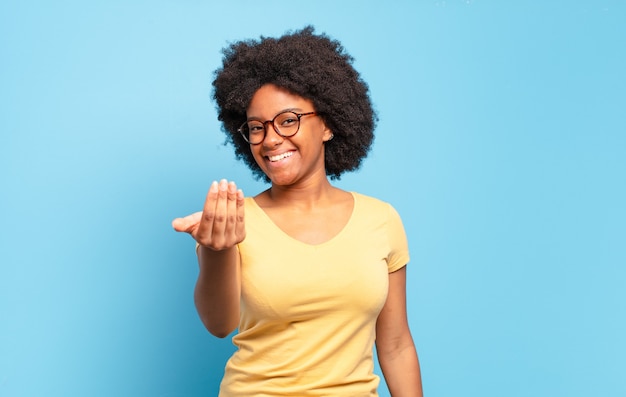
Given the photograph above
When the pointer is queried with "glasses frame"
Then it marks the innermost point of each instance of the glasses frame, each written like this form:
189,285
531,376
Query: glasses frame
298,115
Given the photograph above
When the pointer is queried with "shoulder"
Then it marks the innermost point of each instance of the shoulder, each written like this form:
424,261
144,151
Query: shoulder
369,200
373,204
382,218
377,210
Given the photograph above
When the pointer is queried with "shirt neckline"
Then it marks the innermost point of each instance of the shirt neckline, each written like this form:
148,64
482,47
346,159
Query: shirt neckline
269,220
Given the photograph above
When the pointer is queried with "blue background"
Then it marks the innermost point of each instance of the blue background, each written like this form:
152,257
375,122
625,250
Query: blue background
501,142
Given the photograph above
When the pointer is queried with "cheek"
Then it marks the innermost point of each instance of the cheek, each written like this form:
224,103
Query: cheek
257,156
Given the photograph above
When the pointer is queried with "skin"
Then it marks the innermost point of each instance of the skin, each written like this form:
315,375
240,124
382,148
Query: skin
302,202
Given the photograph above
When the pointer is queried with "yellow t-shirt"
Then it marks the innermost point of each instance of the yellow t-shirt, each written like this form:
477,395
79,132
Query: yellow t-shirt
308,312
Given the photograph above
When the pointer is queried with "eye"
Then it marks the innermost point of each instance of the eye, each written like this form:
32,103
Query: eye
287,120
255,128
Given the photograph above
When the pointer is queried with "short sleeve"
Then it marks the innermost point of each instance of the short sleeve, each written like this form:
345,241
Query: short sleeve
398,255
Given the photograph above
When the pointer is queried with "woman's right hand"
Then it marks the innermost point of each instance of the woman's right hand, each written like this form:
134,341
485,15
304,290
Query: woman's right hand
220,225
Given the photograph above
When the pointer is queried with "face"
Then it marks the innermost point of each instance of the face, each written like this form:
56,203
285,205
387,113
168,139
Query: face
294,160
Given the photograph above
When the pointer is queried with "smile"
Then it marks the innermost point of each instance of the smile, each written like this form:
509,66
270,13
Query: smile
279,157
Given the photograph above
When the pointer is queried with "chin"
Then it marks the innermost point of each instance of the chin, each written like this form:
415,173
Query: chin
282,180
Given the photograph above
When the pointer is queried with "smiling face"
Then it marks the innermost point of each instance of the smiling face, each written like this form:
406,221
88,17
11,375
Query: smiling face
294,160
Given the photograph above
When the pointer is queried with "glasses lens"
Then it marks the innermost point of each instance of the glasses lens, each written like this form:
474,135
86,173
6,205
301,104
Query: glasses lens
253,131
287,123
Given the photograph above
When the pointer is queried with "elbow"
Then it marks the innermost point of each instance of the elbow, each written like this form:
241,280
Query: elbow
219,330
219,333
220,319
219,323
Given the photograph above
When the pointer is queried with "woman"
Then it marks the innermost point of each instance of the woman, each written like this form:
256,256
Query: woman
311,275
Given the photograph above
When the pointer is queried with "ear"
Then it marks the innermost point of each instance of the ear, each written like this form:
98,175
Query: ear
328,134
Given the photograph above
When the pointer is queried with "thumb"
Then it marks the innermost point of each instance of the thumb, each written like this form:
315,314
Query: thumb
187,223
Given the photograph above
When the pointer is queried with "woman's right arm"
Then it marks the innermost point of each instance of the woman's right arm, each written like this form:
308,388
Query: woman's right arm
217,230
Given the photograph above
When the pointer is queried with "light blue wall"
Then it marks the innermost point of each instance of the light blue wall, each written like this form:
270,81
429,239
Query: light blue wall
501,143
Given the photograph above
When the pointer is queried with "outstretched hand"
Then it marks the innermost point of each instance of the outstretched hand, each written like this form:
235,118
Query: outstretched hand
220,225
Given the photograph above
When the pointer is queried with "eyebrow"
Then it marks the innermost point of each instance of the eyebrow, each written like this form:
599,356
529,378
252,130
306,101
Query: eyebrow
295,110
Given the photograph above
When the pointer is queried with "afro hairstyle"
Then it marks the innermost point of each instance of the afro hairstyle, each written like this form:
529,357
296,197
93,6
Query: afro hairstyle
312,66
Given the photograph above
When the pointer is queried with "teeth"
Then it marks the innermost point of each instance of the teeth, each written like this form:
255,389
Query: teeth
280,156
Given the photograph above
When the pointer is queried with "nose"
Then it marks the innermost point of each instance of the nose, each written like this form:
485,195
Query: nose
272,138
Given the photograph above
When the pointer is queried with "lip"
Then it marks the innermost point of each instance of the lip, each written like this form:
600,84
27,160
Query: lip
279,156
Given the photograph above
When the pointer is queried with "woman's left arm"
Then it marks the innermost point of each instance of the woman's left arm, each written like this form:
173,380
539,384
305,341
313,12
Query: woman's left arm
396,351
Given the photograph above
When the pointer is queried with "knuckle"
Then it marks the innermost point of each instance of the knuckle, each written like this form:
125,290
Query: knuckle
204,242
208,216
218,244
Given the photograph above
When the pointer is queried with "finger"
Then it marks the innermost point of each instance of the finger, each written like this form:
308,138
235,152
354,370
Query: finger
240,227
221,213
188,223
205,229
231,211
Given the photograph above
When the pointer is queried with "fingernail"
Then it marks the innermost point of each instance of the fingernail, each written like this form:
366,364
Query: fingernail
214,186
223,184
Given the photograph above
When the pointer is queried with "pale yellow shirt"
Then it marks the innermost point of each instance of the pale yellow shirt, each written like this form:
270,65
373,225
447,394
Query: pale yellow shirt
308,312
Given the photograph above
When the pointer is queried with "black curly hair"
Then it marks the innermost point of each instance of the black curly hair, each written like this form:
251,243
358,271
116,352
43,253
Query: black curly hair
312,66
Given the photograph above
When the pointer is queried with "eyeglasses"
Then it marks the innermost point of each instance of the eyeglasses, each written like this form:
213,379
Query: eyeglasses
285,124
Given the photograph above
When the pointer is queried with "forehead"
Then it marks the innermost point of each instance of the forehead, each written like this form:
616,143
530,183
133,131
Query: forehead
270,100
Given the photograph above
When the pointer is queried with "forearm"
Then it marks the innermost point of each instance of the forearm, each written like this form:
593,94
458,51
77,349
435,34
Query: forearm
218,290
402,372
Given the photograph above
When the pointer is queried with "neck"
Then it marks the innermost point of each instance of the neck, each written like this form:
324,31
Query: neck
303,195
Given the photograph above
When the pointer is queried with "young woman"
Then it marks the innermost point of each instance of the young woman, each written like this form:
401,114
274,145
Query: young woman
311,275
